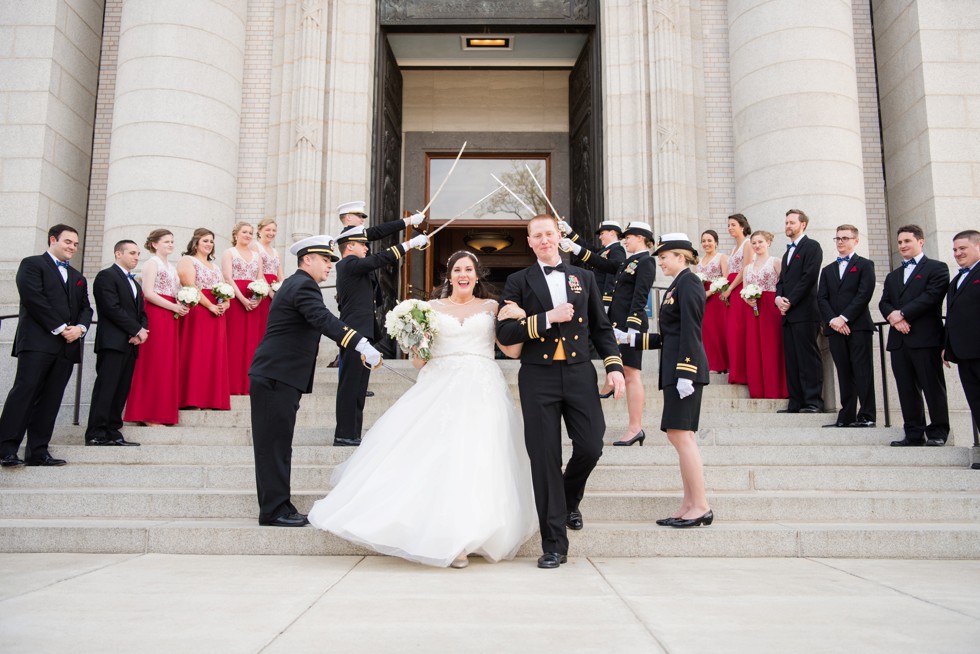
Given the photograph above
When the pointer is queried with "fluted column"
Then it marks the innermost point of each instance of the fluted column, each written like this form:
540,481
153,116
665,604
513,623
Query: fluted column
796,115
173,159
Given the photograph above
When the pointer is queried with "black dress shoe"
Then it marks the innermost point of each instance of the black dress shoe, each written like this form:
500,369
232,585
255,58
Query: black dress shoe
705,520
369,394
934,442
639,437
288,520
788,411
836,424
862,423
102,442
124,442
11,461
975,466
346,442
46,460
551,560
809,408
666,522
906,442
574,520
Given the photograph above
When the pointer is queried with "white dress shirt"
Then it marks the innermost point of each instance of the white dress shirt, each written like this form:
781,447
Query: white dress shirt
556,286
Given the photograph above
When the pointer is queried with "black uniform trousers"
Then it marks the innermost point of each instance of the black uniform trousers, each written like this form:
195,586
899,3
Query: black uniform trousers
114,377
918,372
970,378
804,370
548,394
855,375
274,406
33,402
351,391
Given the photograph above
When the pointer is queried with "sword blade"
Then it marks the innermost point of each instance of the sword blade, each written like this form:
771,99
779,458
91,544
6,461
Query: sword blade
395,372
446,179
516,196
554,211
461,213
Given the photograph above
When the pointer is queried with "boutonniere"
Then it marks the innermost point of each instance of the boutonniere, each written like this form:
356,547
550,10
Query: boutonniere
631,269
80,282
976,281
574,284
854,269
796,256
918,277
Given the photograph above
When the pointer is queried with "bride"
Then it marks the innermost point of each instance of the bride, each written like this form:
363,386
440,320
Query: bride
443,473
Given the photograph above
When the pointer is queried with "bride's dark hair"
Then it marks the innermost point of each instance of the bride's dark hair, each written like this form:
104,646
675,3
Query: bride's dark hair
481,289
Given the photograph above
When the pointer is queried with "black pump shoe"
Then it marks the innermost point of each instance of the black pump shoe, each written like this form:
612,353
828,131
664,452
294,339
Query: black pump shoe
705,520
666,522
639,437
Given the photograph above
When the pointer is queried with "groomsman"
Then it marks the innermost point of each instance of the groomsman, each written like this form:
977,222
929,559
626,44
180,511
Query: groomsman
282,371
844,293
121,330
604,260
911,302
54,315
358,294
962,346
352,214
796,299
558,381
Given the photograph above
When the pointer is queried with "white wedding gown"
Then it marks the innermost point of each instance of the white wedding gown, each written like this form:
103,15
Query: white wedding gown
444,471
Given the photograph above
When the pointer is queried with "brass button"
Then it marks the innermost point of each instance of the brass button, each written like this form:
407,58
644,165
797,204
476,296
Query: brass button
573,354
576,337
580,320
563,338
546,356
542,339
556,340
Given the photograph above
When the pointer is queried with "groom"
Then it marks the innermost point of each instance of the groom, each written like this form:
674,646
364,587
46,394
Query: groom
557,379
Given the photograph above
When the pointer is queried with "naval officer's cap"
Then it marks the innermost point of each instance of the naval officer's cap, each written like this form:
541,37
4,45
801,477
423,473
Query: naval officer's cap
674,241
357,208
353,233
640,229
322,244
610,224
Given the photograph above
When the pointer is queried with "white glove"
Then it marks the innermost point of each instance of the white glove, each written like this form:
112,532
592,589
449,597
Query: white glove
685,387
415,220
564,227
631,337
419,241
568,245
622,338
371,356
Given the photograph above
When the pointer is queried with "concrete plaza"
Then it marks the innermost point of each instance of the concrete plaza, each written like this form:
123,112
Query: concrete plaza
276,604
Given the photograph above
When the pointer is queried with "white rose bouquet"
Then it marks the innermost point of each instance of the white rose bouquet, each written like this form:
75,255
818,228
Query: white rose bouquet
223,291
720,285
275,286
188,296
749,292
702,277
259,289
413,324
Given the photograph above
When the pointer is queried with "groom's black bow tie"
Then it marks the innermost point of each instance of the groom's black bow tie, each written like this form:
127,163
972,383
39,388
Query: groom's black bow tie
132,276
549,269
910,262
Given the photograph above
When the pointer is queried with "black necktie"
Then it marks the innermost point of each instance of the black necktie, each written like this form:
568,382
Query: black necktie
549,269
910,262
843,259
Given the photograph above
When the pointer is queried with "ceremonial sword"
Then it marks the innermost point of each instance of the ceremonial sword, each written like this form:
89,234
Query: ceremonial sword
445,179
461,213
541,190
516,197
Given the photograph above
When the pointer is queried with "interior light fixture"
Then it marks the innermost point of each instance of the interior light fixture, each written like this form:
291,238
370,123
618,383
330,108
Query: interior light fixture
487,242
487,42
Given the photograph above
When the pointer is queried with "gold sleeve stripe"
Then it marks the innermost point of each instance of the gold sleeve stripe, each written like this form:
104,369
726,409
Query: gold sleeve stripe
532,327
574,237
347,338
634,319
613,360
397,250
607,298
687,367
586,254
646,341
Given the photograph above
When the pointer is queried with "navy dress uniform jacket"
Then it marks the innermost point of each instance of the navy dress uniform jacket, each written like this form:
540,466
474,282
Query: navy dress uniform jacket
628,309
357,287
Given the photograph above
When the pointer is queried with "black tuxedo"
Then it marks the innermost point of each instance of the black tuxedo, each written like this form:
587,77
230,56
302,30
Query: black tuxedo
121,316
44,360
916,359
962,346
849,296
358,295
604,261
797,283
551,390
282,370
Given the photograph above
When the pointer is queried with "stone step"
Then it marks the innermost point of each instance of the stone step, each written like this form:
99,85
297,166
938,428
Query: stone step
604,478
626,506
240,536
660,453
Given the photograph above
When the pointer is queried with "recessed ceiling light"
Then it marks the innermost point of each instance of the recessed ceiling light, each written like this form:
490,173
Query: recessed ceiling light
487,42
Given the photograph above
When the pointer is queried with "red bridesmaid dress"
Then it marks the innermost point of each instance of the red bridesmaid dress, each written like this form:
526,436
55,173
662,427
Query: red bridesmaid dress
204,348
243,326
154,393
736,321
715,324
270,269
764,354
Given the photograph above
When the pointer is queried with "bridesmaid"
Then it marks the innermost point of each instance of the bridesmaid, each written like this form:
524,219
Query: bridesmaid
154,398
764,357
240,266
271,266
714,265
203,335
738,312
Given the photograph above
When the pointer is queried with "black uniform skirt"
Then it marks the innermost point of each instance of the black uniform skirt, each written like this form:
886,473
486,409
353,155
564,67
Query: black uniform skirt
632,357
679,414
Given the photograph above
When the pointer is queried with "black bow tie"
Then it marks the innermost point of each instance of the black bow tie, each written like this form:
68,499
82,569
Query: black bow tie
131,276
843,259
550,269
790,245
62,264
964,271
910,262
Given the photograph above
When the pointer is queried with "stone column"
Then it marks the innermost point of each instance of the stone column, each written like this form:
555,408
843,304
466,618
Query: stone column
796,115
173,159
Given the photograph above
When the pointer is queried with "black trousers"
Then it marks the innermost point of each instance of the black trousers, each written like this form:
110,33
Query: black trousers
33,402
804,370
351,391
919,372
855,375
114,377
970,378
274,406
548,395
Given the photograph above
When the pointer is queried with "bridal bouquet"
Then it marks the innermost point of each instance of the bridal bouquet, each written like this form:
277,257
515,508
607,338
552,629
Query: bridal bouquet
720,285
702,277
223,291
188,296
752,291
413,324
259,289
